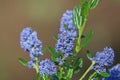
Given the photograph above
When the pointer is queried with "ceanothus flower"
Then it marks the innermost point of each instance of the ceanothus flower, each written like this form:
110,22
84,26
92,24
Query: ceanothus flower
31,64
29,42
37,45
24,42
59,60
67,35
103,59
65,43
47,67
114,73
66,21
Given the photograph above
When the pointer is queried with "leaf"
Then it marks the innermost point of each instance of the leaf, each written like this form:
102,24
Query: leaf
96,78
82,1
89,55
23,62
45,77
77,18
87,39
93,3
53,52
85,10
70,73
105,74
55,37
78,65
38,77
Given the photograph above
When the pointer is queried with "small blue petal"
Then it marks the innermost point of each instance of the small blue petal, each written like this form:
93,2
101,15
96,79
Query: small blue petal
47,67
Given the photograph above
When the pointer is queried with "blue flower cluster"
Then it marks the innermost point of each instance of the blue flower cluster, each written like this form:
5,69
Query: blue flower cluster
67,34
114,73
29,42
102,59
47,67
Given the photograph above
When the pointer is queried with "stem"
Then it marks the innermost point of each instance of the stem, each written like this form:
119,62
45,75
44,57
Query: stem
37,65
93,62
92,76
78,48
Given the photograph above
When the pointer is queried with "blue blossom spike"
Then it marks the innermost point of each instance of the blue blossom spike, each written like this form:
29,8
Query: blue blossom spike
47,67
37,45
114,73
25,44
103,58
68,35
65,43
67,20
29,42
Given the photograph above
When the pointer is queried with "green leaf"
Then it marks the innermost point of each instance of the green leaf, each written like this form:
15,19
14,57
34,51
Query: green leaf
45,77
70,73
22,61
55,37
89,55
38,77
87,39
85,10
93,3
53,52
82,1
78,65
96,78
105,74
77,18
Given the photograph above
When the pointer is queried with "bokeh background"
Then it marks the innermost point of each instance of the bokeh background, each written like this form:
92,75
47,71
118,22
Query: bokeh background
44,17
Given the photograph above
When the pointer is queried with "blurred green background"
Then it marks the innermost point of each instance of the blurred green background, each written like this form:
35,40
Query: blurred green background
44,17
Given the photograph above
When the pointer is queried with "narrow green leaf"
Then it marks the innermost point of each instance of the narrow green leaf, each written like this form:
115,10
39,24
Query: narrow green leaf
55,37
69,74
78,65
38,77
82,1
87,39
77,18
45,77
93,3
22,61
89,55
105,74
53,52
85,10
96,78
